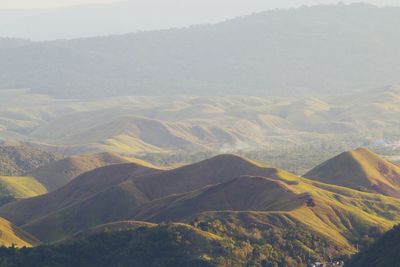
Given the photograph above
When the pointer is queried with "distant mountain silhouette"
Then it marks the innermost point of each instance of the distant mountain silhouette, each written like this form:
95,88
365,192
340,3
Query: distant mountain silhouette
310,50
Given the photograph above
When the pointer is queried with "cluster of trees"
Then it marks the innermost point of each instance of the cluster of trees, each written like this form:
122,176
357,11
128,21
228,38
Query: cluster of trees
209,242
159,246
18,160
270,240
384,252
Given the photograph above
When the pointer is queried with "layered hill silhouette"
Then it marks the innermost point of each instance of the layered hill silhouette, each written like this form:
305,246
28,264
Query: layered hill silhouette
53,175
210,190
59,173
360,169
161,126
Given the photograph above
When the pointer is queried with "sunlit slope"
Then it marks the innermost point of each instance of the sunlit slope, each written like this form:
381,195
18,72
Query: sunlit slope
223,183
83,187
21,187
360,169
59,173
12,235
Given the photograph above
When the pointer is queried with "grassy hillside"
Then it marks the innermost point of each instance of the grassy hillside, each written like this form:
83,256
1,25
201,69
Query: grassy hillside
360,169
383,252
12,235
291,133
83,187
59,173
225,183
20,187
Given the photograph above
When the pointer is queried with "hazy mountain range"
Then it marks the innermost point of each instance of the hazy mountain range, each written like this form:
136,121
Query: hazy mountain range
133,15
321,50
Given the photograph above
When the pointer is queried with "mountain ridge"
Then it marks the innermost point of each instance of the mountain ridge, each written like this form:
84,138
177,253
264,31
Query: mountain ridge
360,169
212,66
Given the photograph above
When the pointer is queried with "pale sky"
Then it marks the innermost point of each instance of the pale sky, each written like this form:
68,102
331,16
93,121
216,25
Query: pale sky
10,4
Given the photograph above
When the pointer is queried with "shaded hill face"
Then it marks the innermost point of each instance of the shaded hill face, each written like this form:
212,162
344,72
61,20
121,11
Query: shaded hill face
81,188
240,56
240,194
18,160
111,193
59,173
384,252
360,169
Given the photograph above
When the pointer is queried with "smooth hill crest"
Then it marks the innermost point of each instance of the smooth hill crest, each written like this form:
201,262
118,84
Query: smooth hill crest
115,192
59,173
360,169
225,184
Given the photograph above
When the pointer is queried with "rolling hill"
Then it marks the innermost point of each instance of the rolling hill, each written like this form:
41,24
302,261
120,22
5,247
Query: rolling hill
53,175
271,129
216,191
59,173
360,169
251,55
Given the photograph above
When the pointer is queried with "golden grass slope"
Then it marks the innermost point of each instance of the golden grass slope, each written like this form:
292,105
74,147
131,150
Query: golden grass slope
360,169
12,235
59,173
224,183
21,187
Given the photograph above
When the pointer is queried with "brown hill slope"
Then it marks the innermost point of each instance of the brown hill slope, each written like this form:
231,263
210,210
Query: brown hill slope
216,170
59,173
79,189
94,198
360,169
245,193
342,215
12,235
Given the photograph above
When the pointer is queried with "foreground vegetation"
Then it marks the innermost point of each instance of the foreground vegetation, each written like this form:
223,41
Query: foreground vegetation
384,252
176,245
